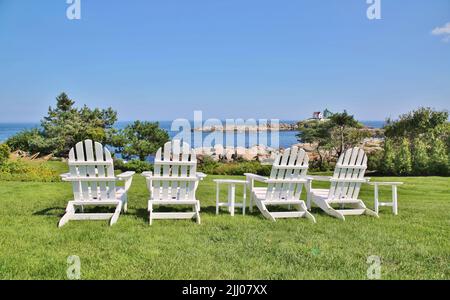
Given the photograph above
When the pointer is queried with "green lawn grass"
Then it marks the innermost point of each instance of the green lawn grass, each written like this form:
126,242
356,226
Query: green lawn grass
413,245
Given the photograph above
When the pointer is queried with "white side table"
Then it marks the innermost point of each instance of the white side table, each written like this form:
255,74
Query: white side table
231,195
394,199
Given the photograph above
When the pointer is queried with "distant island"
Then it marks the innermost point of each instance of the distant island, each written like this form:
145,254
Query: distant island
321,116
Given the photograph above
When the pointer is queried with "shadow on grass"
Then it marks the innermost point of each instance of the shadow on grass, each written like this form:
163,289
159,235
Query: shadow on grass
51,211
59,211
208,210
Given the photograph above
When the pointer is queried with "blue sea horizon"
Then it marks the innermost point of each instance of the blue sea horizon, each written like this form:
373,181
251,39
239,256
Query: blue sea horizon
286,138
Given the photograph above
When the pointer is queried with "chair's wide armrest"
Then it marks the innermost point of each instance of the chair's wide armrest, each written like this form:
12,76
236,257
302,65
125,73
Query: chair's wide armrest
349,180
256,177
147,174
319,178
126,175
201,175
385,183
65,175
293,181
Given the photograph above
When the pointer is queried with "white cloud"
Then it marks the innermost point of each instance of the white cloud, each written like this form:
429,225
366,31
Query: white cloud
443,31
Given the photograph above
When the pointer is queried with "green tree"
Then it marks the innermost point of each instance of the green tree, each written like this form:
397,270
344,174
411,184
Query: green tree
4,153
403,162
345,131
318,134
420,159
66,125
388,163
339,133
439,159
140,139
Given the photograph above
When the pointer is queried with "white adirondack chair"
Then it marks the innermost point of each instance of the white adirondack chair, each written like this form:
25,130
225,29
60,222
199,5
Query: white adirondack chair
285,185
174,181
345,185
94,183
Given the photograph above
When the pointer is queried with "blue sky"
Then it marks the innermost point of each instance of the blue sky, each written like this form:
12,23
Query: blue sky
163,59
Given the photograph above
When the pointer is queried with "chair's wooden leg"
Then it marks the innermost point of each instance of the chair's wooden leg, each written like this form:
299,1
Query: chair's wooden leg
116,214
308,215
70,211
308,201
150,210
394,200
125,203
197,208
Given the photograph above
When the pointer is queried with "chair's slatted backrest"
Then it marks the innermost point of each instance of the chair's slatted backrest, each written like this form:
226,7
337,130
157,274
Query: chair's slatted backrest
352,164
176,165
293,165
89,160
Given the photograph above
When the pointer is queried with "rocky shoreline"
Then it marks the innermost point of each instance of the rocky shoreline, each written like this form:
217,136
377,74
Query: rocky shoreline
266,155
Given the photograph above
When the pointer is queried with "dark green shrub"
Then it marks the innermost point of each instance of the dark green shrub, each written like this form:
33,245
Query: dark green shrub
388,164
4,153
211,167
375,161
207,165
403,163
439,159
137,166
420,158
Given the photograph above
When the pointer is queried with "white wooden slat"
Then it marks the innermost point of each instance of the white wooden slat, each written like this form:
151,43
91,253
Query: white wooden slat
111,190
91,168
74,172
109,167
192,185
157,172
184,171
166,169
101,172
79,148
175,168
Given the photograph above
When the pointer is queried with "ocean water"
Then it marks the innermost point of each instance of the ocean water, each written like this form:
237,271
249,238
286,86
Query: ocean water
285,138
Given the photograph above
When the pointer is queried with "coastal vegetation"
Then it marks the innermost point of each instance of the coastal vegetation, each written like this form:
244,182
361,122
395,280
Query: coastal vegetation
139,139
415,144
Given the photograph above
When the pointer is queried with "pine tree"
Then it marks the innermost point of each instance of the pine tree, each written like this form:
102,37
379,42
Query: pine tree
64,103
403,163
420,159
